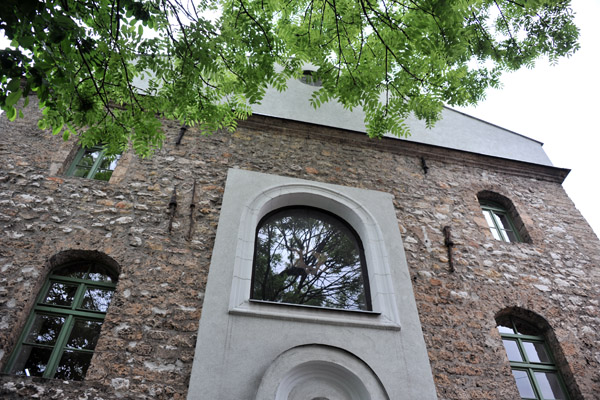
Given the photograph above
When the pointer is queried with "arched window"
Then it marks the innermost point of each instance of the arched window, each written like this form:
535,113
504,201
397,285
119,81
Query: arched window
307,256
93,163
62,331
502,217
499,222
532,363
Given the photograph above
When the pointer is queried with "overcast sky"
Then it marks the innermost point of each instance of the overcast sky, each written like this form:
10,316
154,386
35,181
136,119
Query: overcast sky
557,105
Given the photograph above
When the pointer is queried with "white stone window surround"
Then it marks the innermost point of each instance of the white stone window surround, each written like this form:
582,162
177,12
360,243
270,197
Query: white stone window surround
238,339
353,205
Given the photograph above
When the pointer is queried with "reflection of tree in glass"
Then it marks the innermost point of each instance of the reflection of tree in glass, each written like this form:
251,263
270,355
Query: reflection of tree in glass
45,329
73,365
97,299
85,334
304,256
60,294
36,361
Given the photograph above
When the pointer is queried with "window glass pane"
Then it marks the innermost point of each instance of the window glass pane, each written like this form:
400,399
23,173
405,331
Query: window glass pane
505,326
45,329
495,234
60,294
31,361
488,217
102,175
524,384
96,299
84,334
503,220
549,385
304,256
106,168
511,236
73,365
536,352
81,172
512,350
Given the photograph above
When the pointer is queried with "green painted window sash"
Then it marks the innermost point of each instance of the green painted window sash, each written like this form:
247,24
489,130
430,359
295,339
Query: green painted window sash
531,367
497,210
94,167
70,312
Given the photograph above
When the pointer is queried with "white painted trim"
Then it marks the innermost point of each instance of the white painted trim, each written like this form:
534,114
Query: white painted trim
316,371
330,198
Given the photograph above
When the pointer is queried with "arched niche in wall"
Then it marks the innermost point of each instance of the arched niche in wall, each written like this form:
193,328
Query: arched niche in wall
501,205
317,372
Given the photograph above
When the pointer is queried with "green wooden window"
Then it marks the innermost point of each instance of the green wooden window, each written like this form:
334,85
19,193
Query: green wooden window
62,331
499,222
93,163
531,361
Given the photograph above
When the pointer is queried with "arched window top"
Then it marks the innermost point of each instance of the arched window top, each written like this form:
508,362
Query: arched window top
92,271
307,256
502,218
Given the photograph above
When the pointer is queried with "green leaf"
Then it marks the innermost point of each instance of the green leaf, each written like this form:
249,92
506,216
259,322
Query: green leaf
13,85
56,129
12,98
11,113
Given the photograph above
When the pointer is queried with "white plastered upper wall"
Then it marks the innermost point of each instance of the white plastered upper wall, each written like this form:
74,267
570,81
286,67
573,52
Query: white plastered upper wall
454,131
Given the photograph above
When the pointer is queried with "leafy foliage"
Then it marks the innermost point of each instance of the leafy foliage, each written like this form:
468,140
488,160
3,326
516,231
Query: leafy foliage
205,62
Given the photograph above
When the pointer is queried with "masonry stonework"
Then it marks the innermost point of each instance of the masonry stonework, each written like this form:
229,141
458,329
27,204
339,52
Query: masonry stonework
147,343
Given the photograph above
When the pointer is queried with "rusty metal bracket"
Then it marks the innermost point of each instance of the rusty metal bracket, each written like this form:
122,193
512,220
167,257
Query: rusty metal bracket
172,208
181,133
449,244
424,165
192,209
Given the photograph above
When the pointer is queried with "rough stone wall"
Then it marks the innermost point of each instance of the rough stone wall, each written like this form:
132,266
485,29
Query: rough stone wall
148,338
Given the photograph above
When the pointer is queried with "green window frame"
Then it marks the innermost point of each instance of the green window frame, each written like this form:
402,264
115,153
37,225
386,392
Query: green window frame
93,163
61,333
499,222
531,360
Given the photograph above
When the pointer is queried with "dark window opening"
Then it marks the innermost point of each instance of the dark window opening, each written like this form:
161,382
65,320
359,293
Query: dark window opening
62,331
309,257
310,78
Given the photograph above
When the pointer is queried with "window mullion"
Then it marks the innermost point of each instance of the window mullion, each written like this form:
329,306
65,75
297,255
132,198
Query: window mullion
534,381
78,298
96,164
499,226
75,162
59,348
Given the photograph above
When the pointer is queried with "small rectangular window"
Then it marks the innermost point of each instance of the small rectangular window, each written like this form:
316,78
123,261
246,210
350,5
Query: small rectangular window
93,163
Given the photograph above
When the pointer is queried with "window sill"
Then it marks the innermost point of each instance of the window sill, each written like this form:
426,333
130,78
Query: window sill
311,314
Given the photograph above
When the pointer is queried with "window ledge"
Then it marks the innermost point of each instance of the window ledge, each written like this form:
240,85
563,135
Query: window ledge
303,313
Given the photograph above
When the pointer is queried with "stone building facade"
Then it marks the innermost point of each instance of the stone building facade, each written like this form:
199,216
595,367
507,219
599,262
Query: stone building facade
148,340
